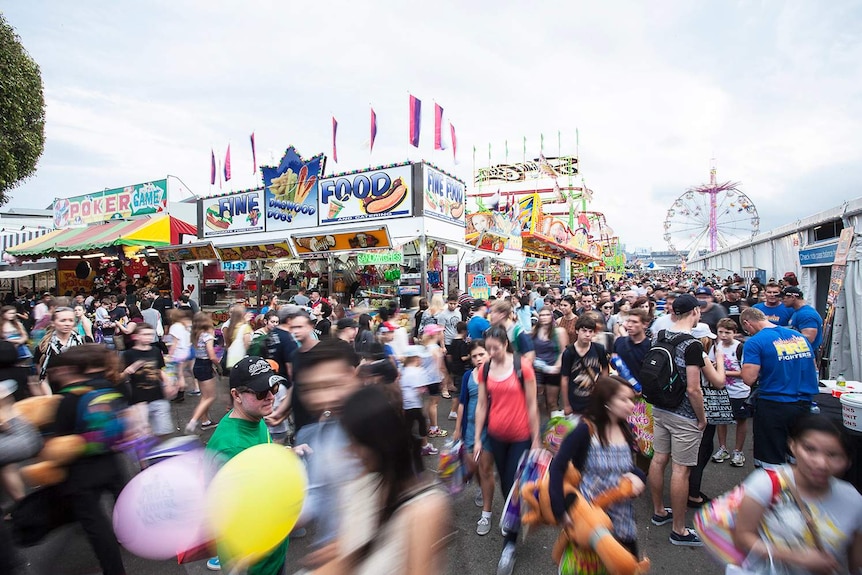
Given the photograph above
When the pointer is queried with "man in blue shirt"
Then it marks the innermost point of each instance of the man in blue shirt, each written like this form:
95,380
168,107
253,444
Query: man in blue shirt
783,362
805,318
775,311
478,323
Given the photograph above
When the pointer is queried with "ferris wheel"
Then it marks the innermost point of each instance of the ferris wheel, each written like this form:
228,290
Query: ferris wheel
710,217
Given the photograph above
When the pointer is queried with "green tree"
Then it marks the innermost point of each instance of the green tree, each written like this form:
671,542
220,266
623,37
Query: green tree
22,112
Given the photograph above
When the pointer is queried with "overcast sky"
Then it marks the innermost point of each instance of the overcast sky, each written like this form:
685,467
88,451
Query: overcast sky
138,90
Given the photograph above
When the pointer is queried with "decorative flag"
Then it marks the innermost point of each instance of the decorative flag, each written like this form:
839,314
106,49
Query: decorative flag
415,120
373,130
253,155
334,132
507,151
454,143
525,150
438,126
542,143
227,164
212,167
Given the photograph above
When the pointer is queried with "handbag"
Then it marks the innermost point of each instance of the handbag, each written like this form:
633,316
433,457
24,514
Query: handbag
716,404
19,441
715,522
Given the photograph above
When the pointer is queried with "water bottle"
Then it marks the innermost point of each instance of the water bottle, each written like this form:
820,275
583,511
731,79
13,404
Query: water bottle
841,382
624,372
814,407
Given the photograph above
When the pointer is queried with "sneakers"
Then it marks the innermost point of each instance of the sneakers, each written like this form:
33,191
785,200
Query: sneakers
214,564
453,416
208,424
180,397
507,560
192,428
738,459
663,519
438,433
721,455
195,392
483,526
429,450
690,539
478,500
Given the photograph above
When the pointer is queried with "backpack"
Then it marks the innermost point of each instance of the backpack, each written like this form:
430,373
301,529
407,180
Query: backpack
258,345
660,379
100,418
516,363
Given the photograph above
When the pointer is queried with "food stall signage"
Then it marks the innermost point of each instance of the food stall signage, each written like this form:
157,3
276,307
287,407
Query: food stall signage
119,203
291,191
233,214
479,288
368,195
241,266
321,245
445,197
254,252
376,259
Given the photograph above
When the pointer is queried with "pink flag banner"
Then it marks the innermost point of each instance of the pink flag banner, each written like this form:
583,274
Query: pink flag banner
334,133
212,167
438,126
454,143
253,156
227,164
373,130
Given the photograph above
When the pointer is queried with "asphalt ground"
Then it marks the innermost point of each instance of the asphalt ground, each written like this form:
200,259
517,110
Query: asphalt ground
66,551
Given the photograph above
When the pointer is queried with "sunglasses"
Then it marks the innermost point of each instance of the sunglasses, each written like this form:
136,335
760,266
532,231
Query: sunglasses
607,307
261,395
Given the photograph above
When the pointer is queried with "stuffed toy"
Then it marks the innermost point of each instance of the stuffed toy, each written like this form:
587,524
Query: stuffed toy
590,527
58,452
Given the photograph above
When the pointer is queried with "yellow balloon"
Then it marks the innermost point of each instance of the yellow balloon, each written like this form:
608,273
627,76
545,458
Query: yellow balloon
255,500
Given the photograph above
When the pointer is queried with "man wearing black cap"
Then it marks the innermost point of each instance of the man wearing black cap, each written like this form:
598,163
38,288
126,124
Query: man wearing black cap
805,318
678,431
733,304
253,385
711,313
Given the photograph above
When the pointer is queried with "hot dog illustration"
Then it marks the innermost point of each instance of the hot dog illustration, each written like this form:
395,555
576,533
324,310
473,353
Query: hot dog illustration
388,200
216,220
457,210
317,243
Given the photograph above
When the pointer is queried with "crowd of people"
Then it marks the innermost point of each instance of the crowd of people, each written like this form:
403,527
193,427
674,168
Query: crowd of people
358,393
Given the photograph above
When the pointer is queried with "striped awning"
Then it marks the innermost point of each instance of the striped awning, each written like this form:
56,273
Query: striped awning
148,231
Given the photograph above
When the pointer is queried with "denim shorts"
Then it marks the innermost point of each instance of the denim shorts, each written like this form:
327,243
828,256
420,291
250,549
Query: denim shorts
203,370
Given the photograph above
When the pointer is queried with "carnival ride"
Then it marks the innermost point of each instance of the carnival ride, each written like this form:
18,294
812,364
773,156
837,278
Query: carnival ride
710,217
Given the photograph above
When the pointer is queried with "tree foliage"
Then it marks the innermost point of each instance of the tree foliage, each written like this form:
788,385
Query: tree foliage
22,112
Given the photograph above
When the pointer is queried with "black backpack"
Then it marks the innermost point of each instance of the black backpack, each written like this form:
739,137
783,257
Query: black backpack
660,379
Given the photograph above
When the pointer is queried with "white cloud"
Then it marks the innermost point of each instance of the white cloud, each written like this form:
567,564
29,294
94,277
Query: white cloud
656,90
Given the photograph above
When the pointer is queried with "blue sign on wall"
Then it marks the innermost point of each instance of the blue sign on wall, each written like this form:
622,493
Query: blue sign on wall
818,256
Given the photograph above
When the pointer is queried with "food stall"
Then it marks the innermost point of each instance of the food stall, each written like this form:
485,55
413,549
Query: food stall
105,241
378,234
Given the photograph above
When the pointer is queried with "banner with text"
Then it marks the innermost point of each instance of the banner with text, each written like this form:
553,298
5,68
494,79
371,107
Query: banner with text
119,203
375,194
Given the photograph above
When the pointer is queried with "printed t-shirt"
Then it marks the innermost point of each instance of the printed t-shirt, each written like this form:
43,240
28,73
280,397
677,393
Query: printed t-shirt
779,314
807,317
232,436
201,345
786,360
735,387
146,382
687,353
507,417
582,371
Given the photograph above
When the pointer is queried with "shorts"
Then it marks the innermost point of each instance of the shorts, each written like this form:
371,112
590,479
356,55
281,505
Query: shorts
435,389
676,435
552,379
159,412
741,408
203,370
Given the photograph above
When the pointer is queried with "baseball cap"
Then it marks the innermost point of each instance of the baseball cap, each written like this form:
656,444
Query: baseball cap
685,303
415,351
702,330
386,327
792,290
734,287
432,329
346,322
703,290
255,373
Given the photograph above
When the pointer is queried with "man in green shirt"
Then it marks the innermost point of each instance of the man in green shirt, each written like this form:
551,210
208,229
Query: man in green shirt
253,385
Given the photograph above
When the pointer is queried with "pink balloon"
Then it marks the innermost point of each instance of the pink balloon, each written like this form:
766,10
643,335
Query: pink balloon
161,511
